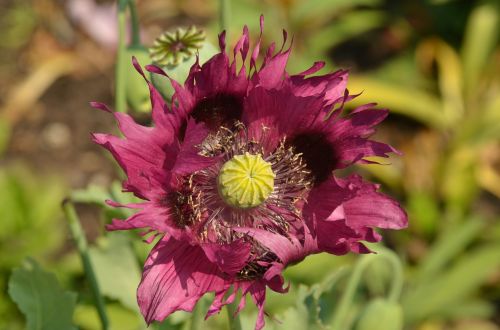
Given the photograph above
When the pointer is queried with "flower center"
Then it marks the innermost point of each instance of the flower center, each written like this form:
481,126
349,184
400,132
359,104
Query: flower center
245,181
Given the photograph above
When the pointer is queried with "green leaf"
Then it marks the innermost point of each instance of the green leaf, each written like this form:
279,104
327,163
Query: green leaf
121,318
424,211
303,315
137,90
316,267
481,37
455,285
351,25
381,314
471,309
459,184
30,213
93,194
450,78
313,11
449,246
38,295
116,269
428,109
481,128
98,195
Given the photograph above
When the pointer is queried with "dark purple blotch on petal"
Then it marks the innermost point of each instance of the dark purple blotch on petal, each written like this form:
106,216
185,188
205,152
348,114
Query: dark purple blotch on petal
218,110
317,152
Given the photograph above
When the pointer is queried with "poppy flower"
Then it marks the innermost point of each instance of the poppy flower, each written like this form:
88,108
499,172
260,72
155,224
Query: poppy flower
238,178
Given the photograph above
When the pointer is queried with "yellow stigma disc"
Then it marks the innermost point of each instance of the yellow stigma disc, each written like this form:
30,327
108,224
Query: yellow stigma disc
245,181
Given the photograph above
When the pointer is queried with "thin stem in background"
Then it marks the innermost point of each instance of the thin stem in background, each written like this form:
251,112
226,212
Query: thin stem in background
136,32
397,277
224,13
121,64
341,313
82,246
342,310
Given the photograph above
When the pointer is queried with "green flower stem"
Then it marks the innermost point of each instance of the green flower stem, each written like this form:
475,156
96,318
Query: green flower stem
224,12
81,244
234,320
136,32
397,279
121,61
342,311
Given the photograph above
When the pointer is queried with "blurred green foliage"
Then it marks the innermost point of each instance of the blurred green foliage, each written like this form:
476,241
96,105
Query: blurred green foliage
30,217
39,296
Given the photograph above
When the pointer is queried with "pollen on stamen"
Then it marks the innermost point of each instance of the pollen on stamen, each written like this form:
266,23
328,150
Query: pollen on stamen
271,185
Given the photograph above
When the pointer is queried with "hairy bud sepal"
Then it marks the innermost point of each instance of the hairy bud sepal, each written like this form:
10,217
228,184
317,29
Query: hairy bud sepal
381,314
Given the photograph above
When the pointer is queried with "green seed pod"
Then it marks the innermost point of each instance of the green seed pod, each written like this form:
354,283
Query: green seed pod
175,52
136,89
381,314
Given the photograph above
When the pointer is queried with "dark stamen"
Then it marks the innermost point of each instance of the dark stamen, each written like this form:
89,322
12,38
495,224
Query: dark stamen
183,205
256,268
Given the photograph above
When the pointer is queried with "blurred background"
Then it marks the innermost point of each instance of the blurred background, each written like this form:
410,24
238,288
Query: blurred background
434,63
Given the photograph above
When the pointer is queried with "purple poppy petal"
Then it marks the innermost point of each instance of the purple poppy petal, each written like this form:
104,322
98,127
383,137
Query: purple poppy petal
188,159
373,209
272,73
258,293
136,159
229,257
356,149
288,249
297,125
162,117
176,275
330,87
324,199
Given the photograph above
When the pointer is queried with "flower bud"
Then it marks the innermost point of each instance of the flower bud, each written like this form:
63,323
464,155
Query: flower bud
381,314
136,90
175,52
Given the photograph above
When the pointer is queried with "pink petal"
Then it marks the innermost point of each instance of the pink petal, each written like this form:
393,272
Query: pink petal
272,72
161,114
330,87
188,159
324,199
157,218
230,258
137,160
356,149
359,123
258,293
288,249
176,275
373,209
